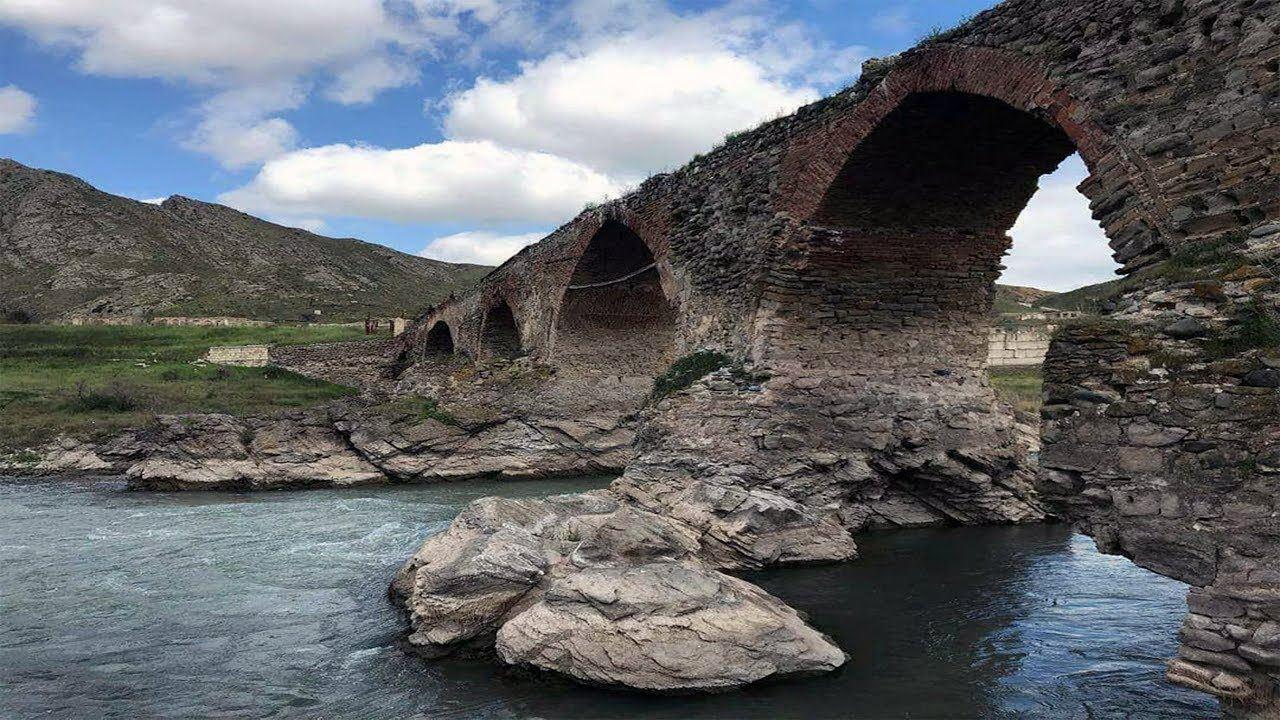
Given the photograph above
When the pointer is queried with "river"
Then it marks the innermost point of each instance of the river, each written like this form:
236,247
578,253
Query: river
117,604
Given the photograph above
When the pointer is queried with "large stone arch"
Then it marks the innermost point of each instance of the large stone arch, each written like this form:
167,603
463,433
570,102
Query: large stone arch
1133,212
615,316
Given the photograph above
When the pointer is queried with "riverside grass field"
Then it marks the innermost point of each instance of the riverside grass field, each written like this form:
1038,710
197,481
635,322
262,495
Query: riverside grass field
91,381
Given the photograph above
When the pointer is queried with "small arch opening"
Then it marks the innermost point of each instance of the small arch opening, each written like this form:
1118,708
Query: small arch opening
615,318
439,341
499,334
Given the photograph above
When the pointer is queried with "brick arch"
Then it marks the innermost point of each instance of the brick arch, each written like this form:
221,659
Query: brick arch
500,329
1125,204
647,224
616,314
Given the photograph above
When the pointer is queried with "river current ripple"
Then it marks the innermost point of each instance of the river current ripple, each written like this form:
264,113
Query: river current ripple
116,604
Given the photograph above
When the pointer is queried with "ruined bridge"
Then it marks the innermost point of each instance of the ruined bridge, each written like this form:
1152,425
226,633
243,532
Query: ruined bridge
844,257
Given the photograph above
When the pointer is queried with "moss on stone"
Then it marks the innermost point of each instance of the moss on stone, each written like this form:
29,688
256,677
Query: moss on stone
687,370
431,410
1256,328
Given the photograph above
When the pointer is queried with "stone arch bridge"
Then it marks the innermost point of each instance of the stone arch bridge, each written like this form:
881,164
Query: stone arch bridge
844,258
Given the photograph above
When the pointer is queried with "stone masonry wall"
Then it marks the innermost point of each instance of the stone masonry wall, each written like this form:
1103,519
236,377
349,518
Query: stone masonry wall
1014,349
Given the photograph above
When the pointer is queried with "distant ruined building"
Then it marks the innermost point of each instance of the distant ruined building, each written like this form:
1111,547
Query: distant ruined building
845,255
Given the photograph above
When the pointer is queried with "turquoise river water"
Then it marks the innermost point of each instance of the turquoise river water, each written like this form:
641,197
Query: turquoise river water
117,604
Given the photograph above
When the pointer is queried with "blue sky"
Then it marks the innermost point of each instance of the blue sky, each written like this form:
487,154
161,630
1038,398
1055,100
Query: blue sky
460,129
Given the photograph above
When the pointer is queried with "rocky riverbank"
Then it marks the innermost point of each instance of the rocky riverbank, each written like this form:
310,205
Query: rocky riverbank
344,444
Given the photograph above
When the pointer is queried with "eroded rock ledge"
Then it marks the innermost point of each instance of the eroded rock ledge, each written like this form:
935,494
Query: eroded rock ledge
346,444
627,586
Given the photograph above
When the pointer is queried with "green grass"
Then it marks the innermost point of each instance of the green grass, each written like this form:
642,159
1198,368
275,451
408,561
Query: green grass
1019,387
91,382
1255,328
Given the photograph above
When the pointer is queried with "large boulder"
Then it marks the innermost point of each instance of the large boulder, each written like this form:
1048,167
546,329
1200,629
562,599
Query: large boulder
664,626
604,591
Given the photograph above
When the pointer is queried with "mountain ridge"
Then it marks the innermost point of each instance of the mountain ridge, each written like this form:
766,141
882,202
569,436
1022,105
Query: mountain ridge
69,249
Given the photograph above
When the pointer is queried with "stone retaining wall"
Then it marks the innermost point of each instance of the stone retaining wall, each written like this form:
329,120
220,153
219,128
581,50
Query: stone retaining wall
1018,348
241,355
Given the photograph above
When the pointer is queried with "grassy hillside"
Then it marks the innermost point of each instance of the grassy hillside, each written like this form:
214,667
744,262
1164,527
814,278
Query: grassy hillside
1088,299
94,381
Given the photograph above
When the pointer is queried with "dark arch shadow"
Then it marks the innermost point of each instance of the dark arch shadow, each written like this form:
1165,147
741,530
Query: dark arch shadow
898,273
614,318
439,341
499,333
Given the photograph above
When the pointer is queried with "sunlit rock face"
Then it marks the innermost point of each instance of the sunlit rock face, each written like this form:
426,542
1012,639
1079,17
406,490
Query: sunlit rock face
843,258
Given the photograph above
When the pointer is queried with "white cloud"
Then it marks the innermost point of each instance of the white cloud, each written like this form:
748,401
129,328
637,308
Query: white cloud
236,127
631,107
1057,245
207,41
440,182
236,144
478,246
360,83
17,110
632,87
315,225
153,201
233,49
644,88
636,88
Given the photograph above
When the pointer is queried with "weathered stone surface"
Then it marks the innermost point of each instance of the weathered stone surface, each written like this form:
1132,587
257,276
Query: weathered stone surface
602,591
1187,327
664,626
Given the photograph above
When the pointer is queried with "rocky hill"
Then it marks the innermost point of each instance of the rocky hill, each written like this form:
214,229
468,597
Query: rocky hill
1016,299
67,249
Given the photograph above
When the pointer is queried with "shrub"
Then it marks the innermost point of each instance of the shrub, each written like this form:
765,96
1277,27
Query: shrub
274,372
686,371
16,317
431,410
112,399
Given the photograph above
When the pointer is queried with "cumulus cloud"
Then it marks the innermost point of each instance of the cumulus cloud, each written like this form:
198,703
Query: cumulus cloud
632,87
478,246
238,127
645,88
629,108
1057,245
360,83
17,109
206,40
234,49
440,182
